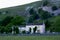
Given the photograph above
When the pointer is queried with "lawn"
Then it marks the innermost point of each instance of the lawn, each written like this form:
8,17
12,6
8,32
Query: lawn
30,37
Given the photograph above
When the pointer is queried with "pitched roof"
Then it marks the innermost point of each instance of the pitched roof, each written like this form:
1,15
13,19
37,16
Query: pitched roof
34,24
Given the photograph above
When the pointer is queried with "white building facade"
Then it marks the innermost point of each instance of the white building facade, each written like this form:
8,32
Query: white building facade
40,28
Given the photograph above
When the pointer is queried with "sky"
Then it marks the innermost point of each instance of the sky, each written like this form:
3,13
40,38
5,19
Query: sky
11,3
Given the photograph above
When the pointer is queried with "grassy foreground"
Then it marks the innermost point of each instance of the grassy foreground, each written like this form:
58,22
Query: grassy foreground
30,37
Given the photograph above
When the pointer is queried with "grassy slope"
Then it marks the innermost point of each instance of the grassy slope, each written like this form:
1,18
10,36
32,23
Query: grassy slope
18,10
21,8
30,37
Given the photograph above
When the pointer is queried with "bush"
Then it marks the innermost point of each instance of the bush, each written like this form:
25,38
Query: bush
45,3
16,30
8,30
32,11
47,25
6,21
18,20
24,32
30,30
33,16
44,14
54,8
34,29
2,29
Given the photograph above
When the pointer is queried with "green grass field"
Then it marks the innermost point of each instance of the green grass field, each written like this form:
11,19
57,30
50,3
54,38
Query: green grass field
30,37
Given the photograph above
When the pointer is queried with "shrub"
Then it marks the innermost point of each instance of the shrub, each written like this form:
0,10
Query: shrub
30,30
16,30
24,32
45,3
34,29
54,8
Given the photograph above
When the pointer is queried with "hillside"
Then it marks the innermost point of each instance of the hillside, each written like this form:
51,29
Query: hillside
33,13
20,10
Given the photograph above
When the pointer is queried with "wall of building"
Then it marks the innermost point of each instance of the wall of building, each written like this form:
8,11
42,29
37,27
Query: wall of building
21,29
41,28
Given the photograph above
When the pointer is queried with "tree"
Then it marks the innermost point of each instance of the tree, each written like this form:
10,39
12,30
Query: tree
55,27
54,8
24,32
6,11
45,3
8,30
0,12
44,14
16,30
33,15
34,29
47,25
6,21
59,14
53,14
30,19
2,29
32,11
30,30
18,20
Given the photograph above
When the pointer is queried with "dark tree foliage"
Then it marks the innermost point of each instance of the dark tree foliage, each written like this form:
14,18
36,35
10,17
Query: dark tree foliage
33,15
0,12
6,21
34,29
44,14
5,29
6,11
54,8
18,20
32,11
53,14
59,14
2,29
30,30
30,19
56,24
8,30
24,32
45,3
47,24
16,30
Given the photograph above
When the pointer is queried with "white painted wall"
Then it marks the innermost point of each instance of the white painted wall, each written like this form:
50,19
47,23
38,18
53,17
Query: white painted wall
30,26
21,29
41,28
